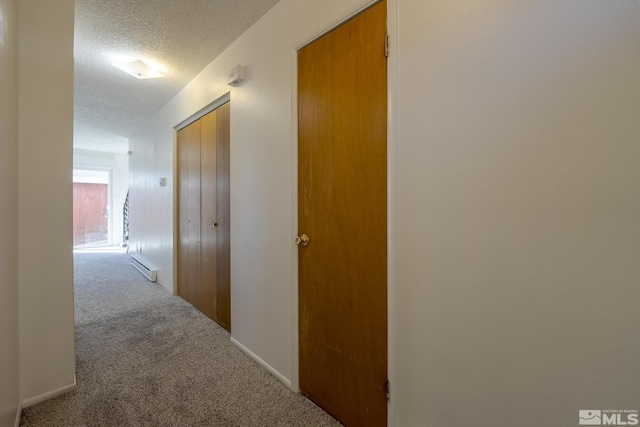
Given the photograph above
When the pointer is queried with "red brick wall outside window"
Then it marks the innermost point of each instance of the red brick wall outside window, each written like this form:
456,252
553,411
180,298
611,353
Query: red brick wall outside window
90,224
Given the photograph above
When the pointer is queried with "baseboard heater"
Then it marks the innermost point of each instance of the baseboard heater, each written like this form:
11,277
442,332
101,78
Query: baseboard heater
144,267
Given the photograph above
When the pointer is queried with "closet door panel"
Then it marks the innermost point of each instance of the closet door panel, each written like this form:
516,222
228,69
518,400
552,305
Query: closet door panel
183,241
189,212
223,230
208,220
193,182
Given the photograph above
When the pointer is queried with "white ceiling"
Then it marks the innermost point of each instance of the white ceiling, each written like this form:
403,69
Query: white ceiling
181,36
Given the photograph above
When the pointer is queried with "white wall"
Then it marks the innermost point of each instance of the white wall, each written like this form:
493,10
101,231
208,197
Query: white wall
262,250
9,362
118,166
519,211
45,126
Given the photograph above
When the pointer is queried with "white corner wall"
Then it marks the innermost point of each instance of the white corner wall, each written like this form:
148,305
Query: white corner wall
519,211
262,139
45,126
9,336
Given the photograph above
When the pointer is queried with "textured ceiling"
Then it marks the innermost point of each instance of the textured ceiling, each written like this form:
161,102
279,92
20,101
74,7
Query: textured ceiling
181,36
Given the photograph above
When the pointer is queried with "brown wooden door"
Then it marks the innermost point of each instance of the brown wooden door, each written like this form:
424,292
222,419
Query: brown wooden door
343,210
203,215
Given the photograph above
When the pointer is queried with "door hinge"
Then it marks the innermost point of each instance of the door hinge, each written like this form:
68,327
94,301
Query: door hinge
387,389
386,45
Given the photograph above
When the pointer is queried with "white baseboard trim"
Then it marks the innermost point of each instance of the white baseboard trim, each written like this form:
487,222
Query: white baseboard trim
262,363
49,395
16,423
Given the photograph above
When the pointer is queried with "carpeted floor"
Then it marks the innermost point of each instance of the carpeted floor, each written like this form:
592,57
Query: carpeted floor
148,358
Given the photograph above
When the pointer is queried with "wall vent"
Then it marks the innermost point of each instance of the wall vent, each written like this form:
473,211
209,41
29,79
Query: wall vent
144,267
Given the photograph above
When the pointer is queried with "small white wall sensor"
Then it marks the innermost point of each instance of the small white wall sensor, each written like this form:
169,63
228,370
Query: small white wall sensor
236,75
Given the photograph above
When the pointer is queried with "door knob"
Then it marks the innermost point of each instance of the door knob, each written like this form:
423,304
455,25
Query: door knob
215,224
302,240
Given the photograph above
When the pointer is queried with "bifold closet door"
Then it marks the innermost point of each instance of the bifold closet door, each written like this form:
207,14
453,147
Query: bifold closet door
204,221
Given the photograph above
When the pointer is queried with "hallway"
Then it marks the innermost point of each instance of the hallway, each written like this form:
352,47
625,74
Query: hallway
148,358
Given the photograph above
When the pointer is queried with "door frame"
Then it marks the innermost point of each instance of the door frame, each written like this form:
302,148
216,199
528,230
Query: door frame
176,206
392,196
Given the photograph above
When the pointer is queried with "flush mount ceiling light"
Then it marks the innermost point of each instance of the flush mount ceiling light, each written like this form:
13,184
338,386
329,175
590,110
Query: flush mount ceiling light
138,69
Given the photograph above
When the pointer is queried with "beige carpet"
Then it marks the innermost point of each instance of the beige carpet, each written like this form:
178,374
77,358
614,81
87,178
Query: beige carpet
147,358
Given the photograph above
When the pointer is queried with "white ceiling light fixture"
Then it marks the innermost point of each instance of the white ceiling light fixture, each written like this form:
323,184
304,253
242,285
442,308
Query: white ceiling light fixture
138,69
